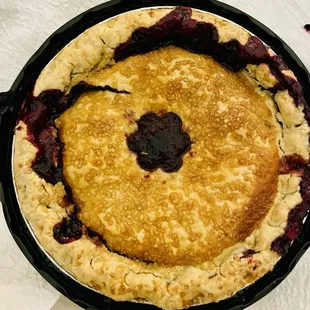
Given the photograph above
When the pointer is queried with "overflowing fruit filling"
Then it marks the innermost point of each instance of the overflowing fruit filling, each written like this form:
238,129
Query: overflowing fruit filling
39,113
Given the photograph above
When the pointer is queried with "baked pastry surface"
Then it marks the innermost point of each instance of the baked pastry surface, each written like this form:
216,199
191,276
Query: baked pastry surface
194,235
227,182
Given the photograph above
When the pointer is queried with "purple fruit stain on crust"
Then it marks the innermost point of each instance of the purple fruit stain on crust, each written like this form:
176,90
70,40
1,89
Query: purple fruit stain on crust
159,142
179,29
297,214
95,237
39,113
307,27
292,163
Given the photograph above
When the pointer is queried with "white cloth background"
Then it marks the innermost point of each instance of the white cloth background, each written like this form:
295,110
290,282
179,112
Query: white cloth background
24,26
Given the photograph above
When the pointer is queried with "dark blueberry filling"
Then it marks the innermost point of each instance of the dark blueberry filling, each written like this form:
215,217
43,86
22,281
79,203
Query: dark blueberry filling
177,28
39,113
68,230
297,214
294,226
307,27
159,142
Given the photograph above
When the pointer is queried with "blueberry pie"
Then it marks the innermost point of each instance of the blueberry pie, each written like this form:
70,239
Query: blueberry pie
163,158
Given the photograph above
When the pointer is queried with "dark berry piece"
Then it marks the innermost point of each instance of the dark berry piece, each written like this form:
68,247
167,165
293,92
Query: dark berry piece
68,230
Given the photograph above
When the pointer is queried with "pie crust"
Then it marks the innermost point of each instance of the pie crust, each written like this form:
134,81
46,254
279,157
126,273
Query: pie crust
202,233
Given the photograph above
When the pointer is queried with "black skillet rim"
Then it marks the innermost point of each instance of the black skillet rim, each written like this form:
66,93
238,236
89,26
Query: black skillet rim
11,101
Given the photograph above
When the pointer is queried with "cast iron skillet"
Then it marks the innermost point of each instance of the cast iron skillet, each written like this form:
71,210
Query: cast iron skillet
10,103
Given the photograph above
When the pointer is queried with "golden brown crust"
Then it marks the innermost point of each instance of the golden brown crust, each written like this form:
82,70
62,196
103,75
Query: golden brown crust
176,286
225,186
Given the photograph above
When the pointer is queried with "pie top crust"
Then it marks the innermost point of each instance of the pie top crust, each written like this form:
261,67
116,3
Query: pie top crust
228,176
178,239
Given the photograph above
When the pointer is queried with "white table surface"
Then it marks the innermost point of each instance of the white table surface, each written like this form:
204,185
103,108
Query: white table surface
24,26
